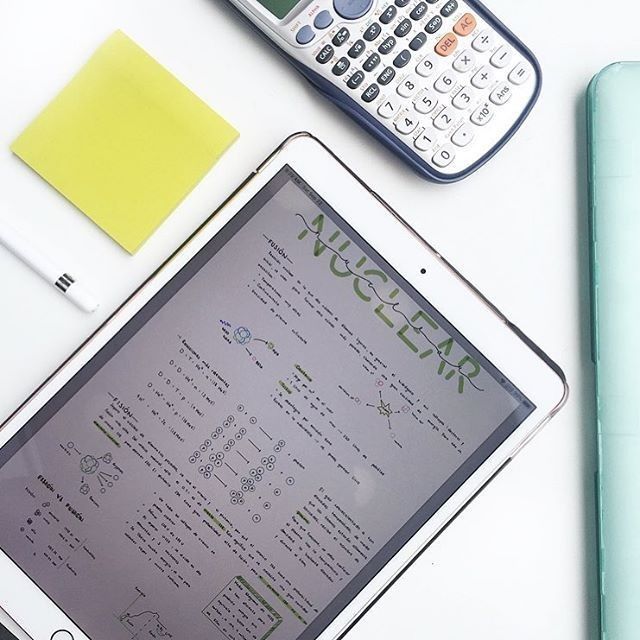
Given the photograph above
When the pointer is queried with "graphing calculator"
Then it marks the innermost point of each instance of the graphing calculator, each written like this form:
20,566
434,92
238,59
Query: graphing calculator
443,83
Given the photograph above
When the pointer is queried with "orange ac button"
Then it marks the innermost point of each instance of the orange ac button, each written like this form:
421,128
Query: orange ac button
465,25
447,45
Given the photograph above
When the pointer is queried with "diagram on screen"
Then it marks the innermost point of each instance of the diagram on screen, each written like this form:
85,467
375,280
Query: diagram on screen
256,346
247,460
98,473
141,623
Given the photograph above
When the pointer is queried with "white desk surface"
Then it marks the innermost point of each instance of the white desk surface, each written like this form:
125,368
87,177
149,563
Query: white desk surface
520,562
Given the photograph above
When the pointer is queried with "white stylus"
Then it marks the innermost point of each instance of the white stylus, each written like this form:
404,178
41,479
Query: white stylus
45,267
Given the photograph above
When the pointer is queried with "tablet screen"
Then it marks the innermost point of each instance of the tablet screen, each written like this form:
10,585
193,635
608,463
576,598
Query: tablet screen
256,443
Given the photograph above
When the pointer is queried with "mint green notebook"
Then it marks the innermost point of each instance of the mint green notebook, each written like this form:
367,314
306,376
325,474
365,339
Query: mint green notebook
614,130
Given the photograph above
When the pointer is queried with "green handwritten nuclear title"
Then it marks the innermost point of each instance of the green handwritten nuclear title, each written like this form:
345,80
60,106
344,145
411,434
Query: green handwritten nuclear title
443,348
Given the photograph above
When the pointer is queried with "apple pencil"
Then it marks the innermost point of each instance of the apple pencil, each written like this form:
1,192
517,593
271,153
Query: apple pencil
46,268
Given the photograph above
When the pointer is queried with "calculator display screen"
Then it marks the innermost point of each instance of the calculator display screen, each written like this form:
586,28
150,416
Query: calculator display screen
256,443
279,8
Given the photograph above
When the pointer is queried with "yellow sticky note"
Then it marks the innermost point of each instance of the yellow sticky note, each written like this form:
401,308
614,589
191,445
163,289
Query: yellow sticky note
125,141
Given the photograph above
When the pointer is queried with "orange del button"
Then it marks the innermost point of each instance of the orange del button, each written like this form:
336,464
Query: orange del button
447,45
465,25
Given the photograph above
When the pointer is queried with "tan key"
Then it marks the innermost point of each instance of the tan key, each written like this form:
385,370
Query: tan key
465,25
447,45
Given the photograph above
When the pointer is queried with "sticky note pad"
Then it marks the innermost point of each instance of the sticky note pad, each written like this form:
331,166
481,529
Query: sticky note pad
125,141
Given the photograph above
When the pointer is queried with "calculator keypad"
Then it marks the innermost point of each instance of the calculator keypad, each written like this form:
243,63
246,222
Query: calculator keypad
434,72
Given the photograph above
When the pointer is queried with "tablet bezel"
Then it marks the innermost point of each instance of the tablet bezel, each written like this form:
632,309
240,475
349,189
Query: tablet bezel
491,333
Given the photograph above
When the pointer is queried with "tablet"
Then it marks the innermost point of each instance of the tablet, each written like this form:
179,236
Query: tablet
269,430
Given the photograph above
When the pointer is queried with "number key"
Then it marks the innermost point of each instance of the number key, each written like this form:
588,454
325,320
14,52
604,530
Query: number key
425,67
408,86
389,108
406,122
425,101
425,140
444,157
444,119
445,82
463,98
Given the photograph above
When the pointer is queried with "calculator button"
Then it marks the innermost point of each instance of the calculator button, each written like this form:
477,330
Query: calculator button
463,136
323,20
501,94
425,102
325,54
425,140
483,78
444,119
372,32
408,86
402,59
389,108
371,93
463,98
387,45
406,122
465,25
482,115
483,42
386,76
403,28
519,74
447,45
357,49
464,62
445,82
418,11
341,37
341,66
501,58
402,3
434,24
352,9
444,157
355,80
449,8
371,62
418,41
305,35
388,14
425,67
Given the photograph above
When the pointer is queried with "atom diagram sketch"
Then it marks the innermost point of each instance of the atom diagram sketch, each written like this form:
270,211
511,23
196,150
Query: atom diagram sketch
384,409
93,471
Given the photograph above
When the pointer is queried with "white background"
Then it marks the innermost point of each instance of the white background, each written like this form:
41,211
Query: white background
520,561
